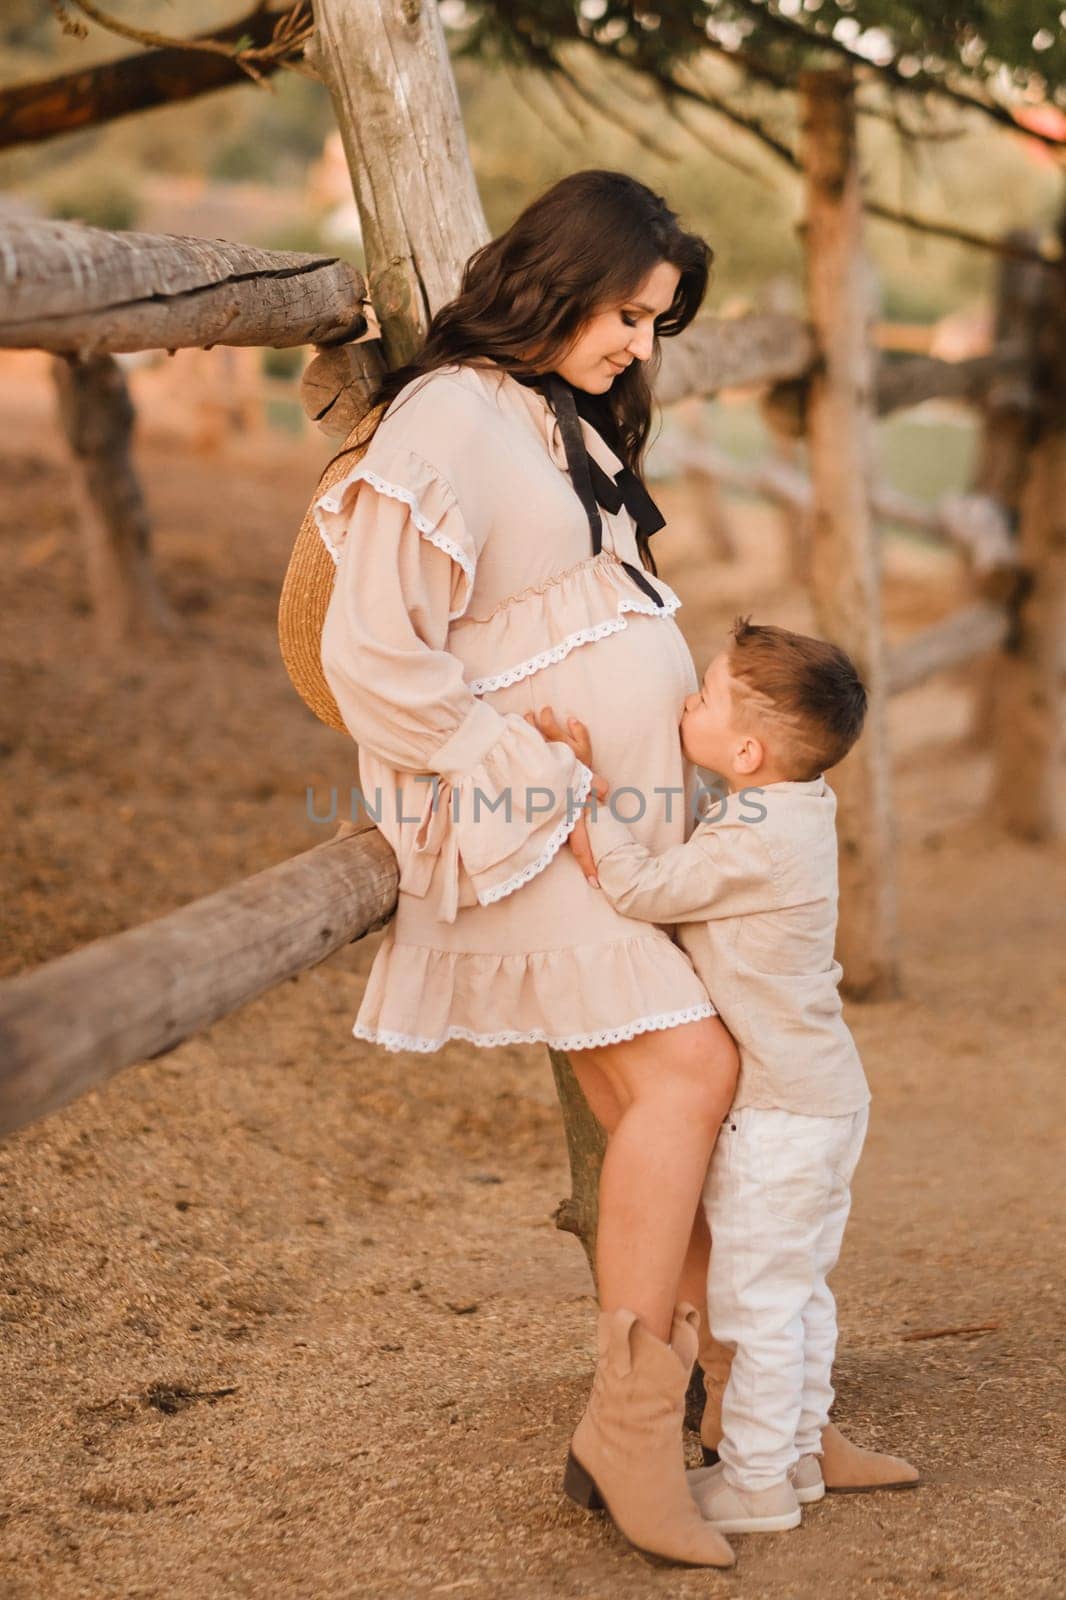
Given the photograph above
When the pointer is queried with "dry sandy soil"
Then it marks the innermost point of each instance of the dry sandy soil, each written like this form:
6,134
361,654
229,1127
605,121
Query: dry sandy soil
286,1316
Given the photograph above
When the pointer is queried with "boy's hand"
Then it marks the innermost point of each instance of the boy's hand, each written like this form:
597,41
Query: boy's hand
577,736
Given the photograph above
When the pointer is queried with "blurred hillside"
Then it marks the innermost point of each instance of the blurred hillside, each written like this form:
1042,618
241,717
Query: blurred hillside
247,164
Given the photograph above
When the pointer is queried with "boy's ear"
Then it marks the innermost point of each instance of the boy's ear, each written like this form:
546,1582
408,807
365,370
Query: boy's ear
750,756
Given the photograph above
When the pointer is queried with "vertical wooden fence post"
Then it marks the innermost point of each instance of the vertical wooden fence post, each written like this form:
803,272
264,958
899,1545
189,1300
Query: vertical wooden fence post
385,63
585,1145
1029,793
97,417
845,575
1007,432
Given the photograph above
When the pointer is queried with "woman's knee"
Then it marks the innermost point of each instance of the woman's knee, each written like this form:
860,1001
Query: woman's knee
694,1066
705,1053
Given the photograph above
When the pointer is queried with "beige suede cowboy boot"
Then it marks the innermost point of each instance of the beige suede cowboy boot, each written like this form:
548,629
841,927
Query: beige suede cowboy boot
626,1456
846,1467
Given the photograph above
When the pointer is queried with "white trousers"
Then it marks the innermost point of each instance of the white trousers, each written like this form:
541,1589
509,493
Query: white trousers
777,1199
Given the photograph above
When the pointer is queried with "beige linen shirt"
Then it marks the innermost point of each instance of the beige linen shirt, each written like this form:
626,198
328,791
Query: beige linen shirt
754,894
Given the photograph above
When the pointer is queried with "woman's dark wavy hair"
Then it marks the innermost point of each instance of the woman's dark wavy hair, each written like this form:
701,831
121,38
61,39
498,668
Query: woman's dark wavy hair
588,242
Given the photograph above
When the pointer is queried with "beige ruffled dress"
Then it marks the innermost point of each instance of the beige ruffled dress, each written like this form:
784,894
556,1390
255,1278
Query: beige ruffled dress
465,596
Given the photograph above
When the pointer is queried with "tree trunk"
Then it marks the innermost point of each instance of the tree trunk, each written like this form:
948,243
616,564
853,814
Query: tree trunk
385,63
844,554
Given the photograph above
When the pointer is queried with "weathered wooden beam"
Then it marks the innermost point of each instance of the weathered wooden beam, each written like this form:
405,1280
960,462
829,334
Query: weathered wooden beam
586,1143
905,382
975,524
1009,420
911,379
385,63
958,639
721,353
845,578
1029,712
337,385
97,418
30,112
86,291
732,352
72,1023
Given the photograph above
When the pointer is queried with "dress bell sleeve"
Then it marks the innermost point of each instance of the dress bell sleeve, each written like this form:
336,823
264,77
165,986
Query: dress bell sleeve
482,802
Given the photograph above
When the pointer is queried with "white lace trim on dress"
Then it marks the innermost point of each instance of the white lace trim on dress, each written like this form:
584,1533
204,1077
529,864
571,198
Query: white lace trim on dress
555,843
570,1041
559,652
332,501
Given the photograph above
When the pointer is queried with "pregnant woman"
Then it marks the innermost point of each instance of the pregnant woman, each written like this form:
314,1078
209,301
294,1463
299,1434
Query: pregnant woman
491,557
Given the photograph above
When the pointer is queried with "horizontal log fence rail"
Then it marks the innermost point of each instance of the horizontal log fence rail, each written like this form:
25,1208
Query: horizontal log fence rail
72,1023
975,523
84,291
970,632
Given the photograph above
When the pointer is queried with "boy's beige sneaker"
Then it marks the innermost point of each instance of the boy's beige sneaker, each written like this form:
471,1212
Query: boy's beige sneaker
846,1468
733,1510
806,1478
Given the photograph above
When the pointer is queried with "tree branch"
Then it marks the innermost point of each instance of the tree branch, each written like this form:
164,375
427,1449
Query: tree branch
288,35
31,112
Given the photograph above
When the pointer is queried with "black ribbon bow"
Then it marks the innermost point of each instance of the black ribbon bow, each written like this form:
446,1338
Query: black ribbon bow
594,486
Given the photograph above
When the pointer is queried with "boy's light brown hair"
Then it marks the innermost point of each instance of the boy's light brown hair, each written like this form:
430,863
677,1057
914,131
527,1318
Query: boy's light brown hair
805,692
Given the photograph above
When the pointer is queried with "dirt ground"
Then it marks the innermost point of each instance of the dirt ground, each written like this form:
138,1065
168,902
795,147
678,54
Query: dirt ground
286,1316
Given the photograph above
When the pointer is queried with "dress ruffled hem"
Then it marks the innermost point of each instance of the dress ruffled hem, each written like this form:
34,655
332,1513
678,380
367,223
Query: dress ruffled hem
419,999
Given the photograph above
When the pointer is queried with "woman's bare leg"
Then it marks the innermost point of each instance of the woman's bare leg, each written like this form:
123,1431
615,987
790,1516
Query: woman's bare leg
599,1092
674,1088
693,1284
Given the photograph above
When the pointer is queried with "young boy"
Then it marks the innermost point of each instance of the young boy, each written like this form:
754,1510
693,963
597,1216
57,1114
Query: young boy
754,894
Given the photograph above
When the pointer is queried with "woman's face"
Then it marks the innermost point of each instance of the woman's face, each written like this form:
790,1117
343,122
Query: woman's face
619,334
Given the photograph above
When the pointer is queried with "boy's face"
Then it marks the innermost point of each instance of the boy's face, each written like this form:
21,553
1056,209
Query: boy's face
709,735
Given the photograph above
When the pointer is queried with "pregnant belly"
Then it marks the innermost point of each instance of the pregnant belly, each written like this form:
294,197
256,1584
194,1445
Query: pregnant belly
629,689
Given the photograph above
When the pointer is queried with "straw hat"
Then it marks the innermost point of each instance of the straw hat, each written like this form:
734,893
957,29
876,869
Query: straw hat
308,585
